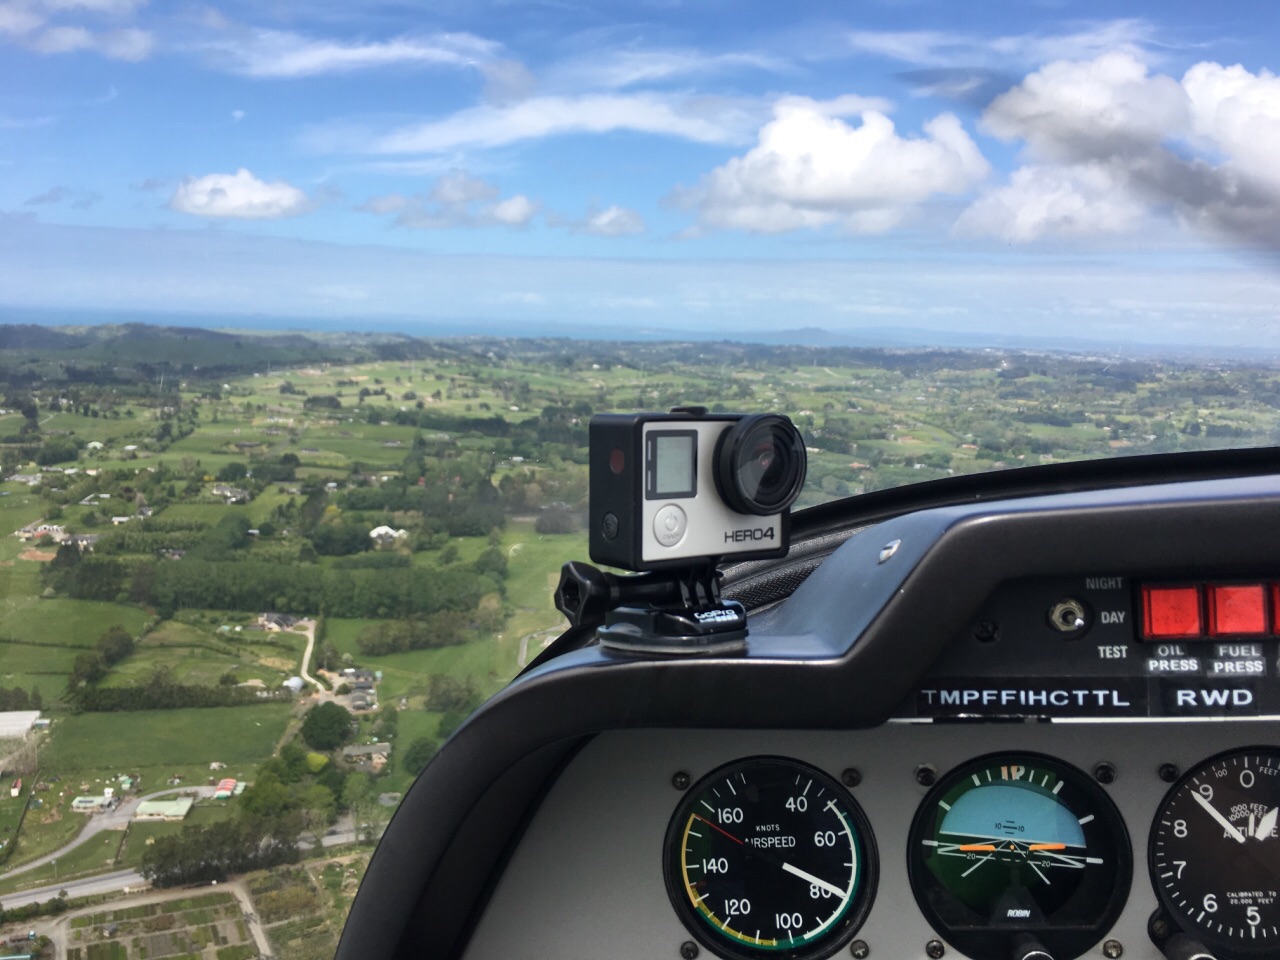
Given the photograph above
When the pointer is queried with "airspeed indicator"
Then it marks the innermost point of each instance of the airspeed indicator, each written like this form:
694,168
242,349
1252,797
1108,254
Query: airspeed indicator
770,857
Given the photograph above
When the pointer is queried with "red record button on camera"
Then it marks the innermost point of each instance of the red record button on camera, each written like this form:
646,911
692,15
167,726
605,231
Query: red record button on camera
1171,612
1237,610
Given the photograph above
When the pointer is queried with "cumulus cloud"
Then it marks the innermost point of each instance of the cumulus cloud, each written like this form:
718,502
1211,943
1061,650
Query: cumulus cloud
515,211
811,168
1238,113
1083,200
279,54
1110,135
238,195
455,200
1102,107
700,119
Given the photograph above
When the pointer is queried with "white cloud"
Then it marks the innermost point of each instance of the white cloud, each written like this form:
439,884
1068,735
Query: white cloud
458,189
810,168
515,211
238,195
612,221
703,120
936,48
1238,113
111,7
1043,201
23,20
25,123
1120,142
456,200
18,18
128,44
63,40
279,54
617,69
1100,107
237,116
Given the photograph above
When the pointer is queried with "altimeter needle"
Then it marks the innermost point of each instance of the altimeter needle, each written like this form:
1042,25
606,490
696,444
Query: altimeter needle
1223,821
1266,824
829,887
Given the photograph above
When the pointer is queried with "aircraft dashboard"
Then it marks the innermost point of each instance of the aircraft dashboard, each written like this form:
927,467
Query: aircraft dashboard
1036,727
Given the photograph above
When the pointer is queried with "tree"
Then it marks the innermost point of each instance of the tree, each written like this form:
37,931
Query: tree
418,754
88,668
232,472
327,727
115,644
266,797
319,806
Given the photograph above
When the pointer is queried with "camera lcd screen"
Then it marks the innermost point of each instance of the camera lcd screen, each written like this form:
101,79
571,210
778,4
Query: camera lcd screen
672,464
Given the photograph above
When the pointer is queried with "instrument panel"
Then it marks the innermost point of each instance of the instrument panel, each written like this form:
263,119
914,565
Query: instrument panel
927,841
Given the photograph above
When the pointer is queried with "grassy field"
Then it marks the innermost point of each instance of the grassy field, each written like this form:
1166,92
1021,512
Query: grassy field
195,656
169,738
95,855
24,615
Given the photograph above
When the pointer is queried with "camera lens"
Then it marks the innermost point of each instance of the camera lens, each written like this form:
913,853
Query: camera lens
760,464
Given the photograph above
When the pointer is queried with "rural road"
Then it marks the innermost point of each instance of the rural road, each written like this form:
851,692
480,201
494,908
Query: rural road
89,886
116,819
309,626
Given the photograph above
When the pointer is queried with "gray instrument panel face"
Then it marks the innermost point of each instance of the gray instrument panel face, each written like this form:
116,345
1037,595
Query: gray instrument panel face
586,879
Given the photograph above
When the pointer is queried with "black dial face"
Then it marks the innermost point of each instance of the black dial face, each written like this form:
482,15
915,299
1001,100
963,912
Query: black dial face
1011,845
770,857
1215,853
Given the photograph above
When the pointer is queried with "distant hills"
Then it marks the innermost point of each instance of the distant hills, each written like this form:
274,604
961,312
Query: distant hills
112,336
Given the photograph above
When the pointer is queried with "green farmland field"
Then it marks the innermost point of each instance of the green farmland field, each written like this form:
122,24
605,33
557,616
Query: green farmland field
127,741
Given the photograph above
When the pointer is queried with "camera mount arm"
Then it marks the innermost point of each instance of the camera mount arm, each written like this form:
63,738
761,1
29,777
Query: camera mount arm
676,612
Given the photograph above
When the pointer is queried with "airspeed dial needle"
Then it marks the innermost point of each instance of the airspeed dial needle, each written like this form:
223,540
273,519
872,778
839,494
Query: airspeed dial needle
713,826
829,887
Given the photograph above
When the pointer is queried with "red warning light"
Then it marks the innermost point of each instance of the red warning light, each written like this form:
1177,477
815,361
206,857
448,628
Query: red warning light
1169,612
1237,610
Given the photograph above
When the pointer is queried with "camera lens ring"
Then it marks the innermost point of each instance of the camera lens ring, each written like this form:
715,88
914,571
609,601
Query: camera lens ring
760,464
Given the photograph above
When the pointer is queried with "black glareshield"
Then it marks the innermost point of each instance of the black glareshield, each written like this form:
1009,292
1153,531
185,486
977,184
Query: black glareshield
671,490
760,464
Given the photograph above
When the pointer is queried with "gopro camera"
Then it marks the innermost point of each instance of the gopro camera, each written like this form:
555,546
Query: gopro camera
670,488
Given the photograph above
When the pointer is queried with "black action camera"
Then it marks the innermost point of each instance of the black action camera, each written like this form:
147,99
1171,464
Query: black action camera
670,489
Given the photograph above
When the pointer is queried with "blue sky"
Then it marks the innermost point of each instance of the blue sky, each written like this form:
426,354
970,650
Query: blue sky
1102,170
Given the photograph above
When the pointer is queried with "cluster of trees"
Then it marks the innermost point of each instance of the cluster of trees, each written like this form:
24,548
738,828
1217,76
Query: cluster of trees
43,908
15,698
113,645
445,628
206,854
455,699
252,585
160,692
